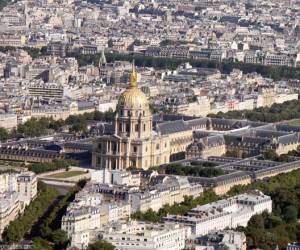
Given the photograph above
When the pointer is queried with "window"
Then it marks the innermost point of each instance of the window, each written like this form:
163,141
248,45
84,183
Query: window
114,146
157,146
120,127
128,113
134,149
127,128
133,163
136,128
144,127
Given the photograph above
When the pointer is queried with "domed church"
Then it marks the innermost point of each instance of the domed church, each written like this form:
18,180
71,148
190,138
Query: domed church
133,142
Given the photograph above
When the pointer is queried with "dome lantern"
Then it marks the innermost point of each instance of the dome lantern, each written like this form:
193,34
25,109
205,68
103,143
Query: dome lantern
133,97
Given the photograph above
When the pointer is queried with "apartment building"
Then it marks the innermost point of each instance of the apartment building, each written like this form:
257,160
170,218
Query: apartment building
232,212
142,236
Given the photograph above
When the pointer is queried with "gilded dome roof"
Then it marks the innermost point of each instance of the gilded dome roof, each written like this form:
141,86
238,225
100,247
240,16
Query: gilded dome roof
132,97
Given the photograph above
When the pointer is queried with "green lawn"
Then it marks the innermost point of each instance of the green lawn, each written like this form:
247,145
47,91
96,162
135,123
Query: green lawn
294,122
66,174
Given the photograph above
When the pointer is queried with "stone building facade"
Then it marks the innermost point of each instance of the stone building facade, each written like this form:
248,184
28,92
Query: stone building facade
134,143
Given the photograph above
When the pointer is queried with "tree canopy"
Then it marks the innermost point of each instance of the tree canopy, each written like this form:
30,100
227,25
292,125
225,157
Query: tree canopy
42,167
265,231
275,72
17,228
49,228
101,245
203,170
277,112
35,127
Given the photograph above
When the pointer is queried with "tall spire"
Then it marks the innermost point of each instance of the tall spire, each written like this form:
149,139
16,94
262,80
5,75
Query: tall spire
102,60
133,77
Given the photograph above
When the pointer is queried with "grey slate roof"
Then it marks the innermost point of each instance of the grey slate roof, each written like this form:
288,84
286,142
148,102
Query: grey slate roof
197,122
288,139
287,128
172,127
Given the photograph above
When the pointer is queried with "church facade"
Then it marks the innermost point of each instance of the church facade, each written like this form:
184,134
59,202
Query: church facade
133,142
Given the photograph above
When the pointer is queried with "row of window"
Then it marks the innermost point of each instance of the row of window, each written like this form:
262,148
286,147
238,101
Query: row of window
130,113
127,127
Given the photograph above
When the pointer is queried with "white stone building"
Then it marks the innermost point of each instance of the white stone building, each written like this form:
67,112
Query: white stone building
166,191
27,187
117,177
8,120
232,212
10,207
79,222
219,240
112,212
142,236
16,192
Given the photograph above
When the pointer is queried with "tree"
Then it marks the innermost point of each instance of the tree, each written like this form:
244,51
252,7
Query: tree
270,155
272,221
79,127
20,226
14,232
59,238
4,135
197,169
290,214
41,244
101,245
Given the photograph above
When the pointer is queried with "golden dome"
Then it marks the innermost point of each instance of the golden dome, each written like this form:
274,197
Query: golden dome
132,97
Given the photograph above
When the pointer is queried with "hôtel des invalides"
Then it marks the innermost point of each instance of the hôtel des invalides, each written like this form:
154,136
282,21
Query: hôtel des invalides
137,139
